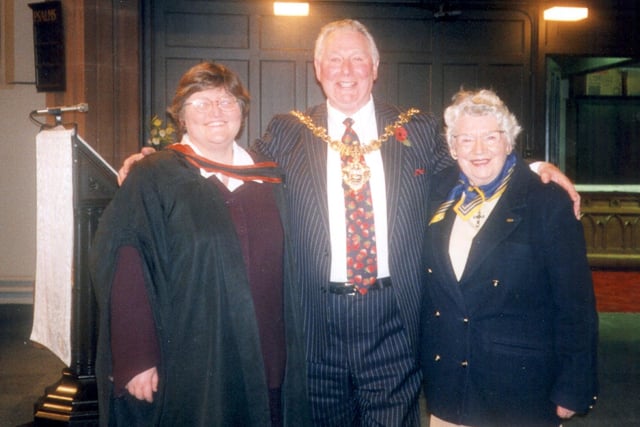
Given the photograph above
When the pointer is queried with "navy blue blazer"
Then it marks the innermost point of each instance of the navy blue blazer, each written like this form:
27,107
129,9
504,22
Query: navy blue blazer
408,171
517,335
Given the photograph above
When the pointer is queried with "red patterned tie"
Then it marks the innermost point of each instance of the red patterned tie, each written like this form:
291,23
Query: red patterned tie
362,264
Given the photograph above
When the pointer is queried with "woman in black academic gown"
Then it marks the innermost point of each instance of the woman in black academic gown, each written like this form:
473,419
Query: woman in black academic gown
198,315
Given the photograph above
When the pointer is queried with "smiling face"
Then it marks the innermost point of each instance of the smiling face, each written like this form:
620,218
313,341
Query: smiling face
216,129
480,147
346,70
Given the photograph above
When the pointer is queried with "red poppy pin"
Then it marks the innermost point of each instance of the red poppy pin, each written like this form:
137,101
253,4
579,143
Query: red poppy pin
400,133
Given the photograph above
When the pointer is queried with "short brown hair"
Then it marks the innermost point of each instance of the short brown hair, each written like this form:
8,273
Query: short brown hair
207,75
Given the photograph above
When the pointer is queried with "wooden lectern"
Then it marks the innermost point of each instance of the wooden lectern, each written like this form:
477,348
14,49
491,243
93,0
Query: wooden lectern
88,187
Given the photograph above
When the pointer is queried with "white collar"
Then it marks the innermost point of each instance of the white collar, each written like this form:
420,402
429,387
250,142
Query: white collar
240,158
362,118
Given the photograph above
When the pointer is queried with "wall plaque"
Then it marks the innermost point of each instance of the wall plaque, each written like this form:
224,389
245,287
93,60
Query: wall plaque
48,40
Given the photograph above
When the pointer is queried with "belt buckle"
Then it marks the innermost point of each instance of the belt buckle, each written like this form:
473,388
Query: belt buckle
351,292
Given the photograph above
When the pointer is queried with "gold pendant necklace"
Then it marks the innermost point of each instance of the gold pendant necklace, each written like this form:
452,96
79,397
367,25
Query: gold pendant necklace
355,173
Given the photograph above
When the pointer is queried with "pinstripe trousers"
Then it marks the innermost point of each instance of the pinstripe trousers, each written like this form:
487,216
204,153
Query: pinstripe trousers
367,375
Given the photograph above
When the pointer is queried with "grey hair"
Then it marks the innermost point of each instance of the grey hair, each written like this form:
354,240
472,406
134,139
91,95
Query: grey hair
481,103
349,25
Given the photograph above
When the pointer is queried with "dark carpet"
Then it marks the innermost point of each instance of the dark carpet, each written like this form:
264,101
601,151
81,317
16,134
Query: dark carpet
25,370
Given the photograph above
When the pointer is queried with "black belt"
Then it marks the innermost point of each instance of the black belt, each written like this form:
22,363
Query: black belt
340,288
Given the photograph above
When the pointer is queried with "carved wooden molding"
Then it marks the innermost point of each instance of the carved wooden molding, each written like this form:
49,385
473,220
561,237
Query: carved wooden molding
611,224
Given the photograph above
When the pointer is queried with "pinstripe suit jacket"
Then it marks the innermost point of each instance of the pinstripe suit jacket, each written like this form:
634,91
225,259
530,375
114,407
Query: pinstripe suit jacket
303,157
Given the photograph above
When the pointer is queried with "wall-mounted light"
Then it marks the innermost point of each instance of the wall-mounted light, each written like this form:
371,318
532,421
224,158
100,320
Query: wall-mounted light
563,13
289,8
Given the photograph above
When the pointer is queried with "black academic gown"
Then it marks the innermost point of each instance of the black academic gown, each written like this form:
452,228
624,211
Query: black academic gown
211,370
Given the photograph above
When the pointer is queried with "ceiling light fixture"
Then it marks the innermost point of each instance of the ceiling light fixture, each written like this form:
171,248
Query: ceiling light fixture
564,13
288,8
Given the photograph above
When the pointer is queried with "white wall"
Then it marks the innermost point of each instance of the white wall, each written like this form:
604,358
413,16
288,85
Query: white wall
17,167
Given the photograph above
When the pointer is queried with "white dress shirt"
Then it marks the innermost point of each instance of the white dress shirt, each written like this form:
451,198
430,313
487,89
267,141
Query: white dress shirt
366,127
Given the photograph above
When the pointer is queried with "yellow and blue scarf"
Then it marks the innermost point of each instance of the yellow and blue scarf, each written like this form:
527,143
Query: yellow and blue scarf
470,197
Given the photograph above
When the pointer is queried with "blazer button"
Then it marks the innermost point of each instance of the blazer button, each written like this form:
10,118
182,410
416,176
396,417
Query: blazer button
495,283
437,313
464,364
429,270
465,320
437,358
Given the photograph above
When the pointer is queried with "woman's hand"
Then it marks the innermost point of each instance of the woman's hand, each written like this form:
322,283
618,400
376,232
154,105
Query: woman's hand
143,385
564,413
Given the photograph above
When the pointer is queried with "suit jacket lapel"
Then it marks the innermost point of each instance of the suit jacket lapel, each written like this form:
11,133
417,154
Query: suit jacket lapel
392,158
316,150
441,233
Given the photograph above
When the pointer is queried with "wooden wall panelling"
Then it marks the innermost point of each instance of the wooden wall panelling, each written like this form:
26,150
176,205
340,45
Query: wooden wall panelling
417,53
313,94
101,76
456,76
103,69
611,223
414,84
277,89
206,29
487,49
128,79
75,19
183,34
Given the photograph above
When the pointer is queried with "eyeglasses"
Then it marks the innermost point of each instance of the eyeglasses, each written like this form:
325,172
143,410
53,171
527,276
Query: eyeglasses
206,105
490,139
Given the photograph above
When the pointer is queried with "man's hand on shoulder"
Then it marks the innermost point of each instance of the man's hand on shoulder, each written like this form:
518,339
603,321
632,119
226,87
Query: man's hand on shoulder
130,161
549,172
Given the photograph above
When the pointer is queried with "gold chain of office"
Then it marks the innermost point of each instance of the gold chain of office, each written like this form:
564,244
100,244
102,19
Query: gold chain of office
355,150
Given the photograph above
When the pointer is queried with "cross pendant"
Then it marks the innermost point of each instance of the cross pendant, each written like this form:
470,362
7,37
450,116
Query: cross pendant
478,218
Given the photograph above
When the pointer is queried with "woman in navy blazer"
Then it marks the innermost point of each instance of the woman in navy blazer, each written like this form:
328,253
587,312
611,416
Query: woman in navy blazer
509,327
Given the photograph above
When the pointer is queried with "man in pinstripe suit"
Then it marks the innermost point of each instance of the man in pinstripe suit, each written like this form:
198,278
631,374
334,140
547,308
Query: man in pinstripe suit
361,348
